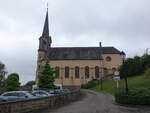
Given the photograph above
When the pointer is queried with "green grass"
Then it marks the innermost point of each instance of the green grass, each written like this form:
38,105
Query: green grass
109,86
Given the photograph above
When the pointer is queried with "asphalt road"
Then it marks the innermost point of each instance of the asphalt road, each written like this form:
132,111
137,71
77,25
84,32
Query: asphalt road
99,102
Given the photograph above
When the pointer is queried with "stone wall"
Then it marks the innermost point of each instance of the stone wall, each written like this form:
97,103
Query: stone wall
32,105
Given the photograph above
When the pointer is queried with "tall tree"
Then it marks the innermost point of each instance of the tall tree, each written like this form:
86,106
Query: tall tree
46,76
3,72
12,82
135,66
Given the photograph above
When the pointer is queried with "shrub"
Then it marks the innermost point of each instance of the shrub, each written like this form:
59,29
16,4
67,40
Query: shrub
147,73
135,96
90,84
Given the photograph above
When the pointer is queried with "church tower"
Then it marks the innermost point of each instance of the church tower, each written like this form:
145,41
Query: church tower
44,41
44,45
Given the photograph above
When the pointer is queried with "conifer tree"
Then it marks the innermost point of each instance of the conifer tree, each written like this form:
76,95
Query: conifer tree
46,77
3,72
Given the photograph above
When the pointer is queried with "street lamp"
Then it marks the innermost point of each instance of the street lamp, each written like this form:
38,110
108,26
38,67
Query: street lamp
125,76
101,58
100,80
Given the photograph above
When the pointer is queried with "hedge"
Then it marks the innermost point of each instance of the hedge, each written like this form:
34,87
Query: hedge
139,96
90,84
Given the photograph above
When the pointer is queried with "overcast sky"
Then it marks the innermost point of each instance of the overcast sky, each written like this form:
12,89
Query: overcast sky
124,24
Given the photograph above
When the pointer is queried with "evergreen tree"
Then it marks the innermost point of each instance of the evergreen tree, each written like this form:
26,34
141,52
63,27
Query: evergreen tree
46,77
3,72
12,82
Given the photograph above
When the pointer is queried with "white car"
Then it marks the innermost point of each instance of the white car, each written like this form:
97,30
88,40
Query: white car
41,93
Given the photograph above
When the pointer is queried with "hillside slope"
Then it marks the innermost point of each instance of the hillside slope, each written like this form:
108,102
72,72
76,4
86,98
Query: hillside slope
109,86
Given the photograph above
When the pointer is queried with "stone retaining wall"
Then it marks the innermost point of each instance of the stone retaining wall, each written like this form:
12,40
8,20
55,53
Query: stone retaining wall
27,106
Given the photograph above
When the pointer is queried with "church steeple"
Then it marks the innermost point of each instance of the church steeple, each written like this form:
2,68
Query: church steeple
46,26
45,40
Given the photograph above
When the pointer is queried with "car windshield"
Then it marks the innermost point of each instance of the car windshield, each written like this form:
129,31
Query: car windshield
21,94
9,94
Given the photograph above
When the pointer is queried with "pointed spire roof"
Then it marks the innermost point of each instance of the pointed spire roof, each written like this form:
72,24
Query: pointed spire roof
46,26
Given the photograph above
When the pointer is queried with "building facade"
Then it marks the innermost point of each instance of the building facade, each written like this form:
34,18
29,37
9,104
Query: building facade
76,65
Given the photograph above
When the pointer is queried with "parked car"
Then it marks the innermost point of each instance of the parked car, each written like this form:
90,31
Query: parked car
65,91
21,94
49,91
10,98
58,91
41,93
52,91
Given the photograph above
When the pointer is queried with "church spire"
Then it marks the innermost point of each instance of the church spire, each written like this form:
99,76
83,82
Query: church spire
46,26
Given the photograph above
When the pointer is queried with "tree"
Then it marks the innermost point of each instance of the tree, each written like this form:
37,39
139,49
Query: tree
12,82
3,72
30,83
145,59
147,73
135,66
46,77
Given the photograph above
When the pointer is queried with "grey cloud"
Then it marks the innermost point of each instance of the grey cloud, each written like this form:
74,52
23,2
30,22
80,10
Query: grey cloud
123,24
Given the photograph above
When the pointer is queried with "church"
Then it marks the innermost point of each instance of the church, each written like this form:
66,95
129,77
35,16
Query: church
77,65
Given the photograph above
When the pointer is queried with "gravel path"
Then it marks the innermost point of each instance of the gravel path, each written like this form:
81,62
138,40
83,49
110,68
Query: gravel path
98,102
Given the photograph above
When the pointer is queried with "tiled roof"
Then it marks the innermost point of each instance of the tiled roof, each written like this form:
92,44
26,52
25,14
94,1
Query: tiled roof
79,53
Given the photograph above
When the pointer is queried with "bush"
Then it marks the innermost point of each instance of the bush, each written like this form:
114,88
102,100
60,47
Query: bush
139,96
90,84
147,73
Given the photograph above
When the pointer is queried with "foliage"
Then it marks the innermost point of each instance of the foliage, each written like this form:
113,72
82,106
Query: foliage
46,77
30,83
3,72
12,82
108,76
135,66
145,60
109,86
134,96
90,84
147,73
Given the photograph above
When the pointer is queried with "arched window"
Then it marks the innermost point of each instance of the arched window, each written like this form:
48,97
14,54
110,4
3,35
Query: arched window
57,72
86,72
67,72
77,72
97,72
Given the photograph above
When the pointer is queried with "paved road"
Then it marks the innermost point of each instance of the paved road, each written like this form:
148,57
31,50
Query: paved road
98,102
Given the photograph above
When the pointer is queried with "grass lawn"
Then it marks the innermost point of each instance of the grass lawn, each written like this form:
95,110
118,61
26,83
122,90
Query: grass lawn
109,86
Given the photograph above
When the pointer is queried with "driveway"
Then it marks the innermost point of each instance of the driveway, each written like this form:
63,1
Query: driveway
98,102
